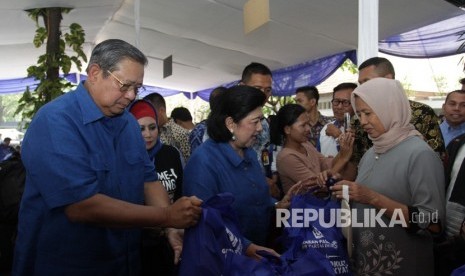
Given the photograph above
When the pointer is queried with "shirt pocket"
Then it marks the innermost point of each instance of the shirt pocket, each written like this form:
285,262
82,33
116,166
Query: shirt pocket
132,180
100,166
134,165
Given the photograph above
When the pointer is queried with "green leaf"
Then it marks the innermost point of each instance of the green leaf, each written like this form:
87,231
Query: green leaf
66,64
50,86
39,38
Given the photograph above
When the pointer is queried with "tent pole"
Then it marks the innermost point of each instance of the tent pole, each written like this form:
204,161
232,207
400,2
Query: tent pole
368,11
137,22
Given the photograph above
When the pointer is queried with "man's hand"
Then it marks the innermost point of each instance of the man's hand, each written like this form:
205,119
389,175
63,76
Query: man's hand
272,184
184,212
333,131
175,237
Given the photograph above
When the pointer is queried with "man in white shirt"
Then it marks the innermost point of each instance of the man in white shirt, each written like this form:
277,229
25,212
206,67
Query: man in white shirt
330,132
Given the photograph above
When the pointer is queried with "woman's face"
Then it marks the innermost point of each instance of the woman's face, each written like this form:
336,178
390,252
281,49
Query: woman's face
299,130
247,129
368,119
148,127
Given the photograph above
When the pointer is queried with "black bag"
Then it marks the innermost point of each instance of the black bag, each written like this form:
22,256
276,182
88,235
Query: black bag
12,178
449,254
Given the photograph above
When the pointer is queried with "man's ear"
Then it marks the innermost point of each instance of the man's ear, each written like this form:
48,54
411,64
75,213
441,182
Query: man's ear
313,101
162,110
93,72
389,76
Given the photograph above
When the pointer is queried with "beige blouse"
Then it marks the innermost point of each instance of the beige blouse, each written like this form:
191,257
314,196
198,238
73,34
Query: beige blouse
294,166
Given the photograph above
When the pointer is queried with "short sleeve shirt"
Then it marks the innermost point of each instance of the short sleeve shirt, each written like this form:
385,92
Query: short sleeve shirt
71,152
216,168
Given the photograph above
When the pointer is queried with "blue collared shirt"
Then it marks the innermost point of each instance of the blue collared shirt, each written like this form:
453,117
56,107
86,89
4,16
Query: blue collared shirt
216,168
450,132
71,152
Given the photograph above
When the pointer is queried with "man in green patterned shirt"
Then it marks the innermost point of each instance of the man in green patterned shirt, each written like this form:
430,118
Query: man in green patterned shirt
170,133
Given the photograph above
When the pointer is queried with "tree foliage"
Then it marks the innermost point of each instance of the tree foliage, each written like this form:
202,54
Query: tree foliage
48,67
8,105
349,66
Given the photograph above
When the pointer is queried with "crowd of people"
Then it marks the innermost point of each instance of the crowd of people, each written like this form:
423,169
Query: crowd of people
112,181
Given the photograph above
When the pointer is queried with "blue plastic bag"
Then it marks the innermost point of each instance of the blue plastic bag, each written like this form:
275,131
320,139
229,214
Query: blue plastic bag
322,246
459,271
215,246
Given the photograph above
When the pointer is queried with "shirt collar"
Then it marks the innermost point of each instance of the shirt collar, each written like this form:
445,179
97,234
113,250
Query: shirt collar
233,157
450,128
90,111
322,120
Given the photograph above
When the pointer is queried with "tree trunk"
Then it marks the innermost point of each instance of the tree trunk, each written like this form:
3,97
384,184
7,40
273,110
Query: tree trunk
52,20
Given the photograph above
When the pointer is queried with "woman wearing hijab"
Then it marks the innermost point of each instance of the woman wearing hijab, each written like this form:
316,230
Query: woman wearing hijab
159,246
398,196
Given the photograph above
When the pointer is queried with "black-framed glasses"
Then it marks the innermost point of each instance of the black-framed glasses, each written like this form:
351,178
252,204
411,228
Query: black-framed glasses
124,87
336,102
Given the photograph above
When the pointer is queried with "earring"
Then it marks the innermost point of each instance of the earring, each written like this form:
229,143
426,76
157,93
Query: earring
233,136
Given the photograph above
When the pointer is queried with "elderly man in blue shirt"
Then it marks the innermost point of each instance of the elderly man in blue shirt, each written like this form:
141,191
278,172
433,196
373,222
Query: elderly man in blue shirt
90,184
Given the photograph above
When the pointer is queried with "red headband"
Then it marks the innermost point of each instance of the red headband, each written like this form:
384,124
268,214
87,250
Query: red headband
143,109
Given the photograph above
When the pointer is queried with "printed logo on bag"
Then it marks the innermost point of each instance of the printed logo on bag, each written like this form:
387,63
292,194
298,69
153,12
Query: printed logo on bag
321,243
236,243
339,266
317,233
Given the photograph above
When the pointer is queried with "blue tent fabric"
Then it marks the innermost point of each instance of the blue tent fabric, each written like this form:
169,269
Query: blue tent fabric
436,40
286,80
19,85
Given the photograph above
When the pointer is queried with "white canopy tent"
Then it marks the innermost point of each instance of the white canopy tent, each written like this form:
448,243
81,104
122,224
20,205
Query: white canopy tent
206,37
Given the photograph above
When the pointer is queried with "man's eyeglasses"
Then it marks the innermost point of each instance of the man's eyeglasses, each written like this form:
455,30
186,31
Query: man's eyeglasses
124,87
336,102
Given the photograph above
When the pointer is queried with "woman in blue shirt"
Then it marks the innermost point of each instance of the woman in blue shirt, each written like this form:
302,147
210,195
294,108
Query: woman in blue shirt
227,163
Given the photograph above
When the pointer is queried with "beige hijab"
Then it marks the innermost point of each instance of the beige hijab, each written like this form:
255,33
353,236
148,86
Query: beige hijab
388,100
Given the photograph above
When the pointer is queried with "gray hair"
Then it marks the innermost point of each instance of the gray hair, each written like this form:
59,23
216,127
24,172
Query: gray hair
107,54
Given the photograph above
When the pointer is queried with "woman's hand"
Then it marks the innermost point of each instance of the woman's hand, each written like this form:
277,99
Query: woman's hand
272,184
298,188
356,192
323,177
253,248
175,237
